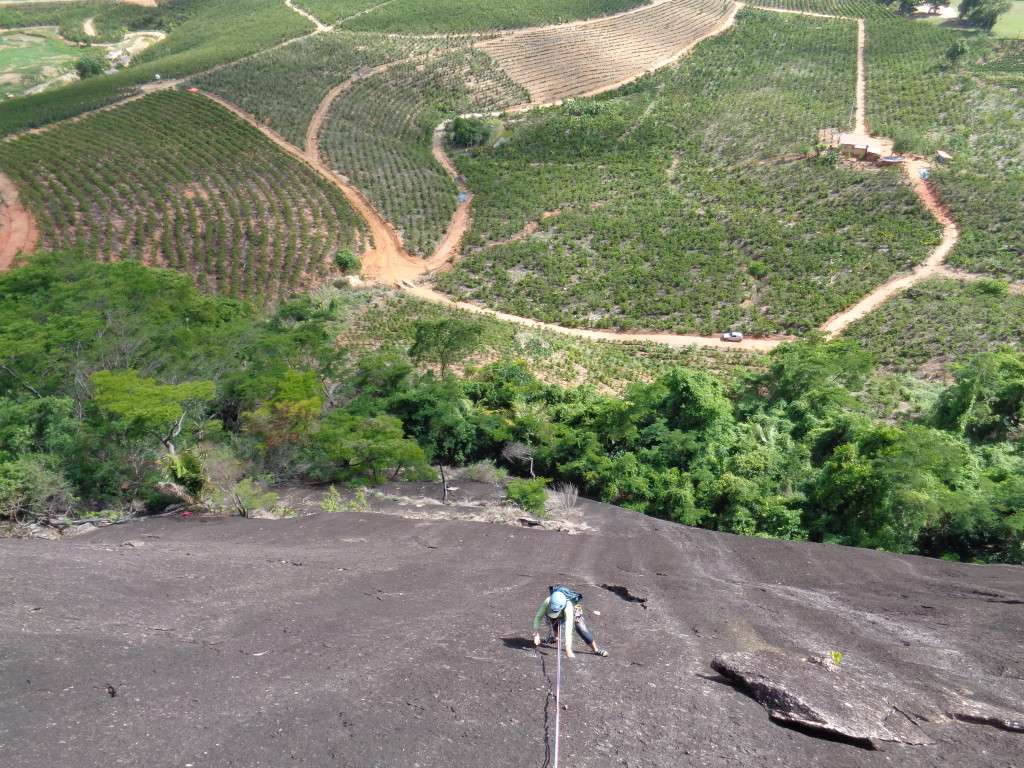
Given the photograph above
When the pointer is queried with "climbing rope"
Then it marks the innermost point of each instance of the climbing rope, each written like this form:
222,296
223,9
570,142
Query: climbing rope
558,693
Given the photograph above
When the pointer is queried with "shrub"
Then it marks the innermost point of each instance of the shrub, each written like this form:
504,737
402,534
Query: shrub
483,472
347,262
993,287
32,487
758,269
531,495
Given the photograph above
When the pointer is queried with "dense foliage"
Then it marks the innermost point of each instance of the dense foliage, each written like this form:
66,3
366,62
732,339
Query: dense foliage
174,179
121,384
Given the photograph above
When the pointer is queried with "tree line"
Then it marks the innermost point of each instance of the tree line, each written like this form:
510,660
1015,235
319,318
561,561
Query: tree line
122,387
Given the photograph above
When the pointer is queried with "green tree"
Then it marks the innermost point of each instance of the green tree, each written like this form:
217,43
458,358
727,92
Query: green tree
356,446
986,401
957,50
985,13
886,487
469,131
159,410
450,339
90,65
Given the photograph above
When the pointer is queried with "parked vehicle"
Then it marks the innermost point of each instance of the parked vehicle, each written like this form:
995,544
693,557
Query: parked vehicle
732,336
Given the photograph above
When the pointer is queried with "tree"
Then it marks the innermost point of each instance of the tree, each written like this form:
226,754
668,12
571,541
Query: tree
469,131
935,5
356,445
449,339
155,409
985,13
90,65
986,401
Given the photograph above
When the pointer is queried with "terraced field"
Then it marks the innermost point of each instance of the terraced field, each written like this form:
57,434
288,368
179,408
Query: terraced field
379,133
175,180
283,87
556,62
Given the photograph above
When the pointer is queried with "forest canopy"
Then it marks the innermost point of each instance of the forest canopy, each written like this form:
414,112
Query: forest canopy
123,387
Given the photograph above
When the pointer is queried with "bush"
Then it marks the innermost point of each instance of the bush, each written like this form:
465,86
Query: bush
531,495
90,65
32,487
347,262
758,269
483,472
993,287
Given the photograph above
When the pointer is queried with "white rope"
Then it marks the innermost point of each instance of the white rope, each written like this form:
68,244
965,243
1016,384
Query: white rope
558,689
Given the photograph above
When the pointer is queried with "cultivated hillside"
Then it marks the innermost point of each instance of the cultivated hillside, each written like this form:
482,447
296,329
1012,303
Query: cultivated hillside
362,639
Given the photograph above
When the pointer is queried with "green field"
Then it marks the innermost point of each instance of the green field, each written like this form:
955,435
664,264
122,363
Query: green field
176,180
284,86
1011,23
665,217
465,15
379,130
200,34
30,58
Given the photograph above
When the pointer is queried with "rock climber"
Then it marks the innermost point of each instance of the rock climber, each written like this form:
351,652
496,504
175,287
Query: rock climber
562,608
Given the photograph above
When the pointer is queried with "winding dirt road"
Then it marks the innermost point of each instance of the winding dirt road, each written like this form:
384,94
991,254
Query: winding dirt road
387,261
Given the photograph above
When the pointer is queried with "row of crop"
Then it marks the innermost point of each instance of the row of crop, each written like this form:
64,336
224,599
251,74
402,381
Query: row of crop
912,92
764,88
173,179
554,62
650,236
941,321
764,249
858,9
214,32
284,86
379,132
462,16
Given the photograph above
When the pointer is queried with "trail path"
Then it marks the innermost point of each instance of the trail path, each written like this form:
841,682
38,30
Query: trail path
386,262
933,265
462,220
320,26
668,339
18,232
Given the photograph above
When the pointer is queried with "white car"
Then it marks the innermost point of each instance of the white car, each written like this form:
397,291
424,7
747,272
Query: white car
732,336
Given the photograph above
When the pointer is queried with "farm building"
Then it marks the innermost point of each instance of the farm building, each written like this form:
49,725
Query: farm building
863,146
892,160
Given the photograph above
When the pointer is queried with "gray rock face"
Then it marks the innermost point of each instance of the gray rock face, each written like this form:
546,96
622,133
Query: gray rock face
366,640
820,695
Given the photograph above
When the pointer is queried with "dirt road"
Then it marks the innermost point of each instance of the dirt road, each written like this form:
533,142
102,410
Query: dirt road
18,233
933,265
668,339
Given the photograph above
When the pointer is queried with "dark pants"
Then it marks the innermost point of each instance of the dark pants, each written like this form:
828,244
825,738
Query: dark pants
581,628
